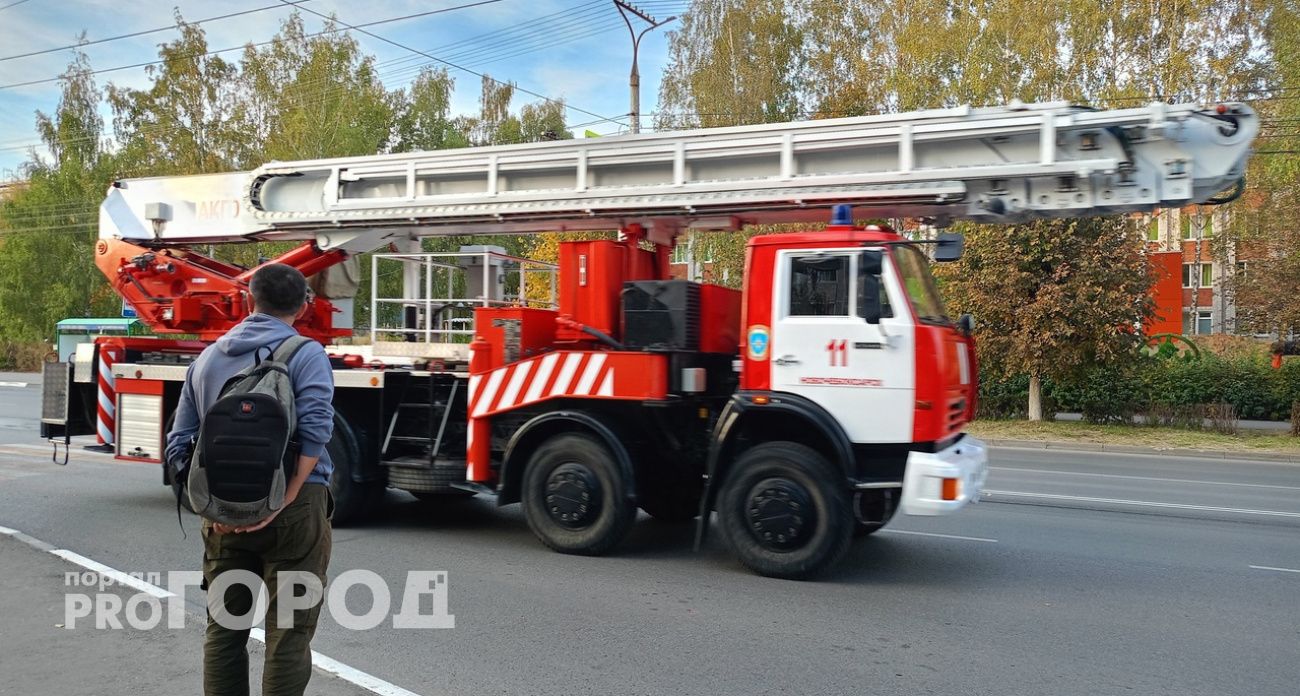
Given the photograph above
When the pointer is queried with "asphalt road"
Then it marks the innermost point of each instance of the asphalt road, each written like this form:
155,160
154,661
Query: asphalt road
1189,585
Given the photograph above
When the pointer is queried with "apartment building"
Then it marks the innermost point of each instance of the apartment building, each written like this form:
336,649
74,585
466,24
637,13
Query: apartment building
1184,241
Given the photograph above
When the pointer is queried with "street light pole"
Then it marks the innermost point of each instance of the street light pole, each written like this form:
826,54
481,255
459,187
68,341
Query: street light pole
634,80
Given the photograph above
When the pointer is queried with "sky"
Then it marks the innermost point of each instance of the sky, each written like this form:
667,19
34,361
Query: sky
578,50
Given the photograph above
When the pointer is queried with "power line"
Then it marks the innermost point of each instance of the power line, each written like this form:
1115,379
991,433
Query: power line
144,32
459,67
264,43
507,35
549,30
12,4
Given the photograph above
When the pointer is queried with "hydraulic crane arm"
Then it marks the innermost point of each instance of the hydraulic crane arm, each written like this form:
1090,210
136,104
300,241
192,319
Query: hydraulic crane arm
1001,164
993,164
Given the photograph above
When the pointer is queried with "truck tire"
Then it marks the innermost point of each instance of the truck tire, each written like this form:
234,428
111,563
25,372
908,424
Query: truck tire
785,511
874,509
353,502
575,497
431,483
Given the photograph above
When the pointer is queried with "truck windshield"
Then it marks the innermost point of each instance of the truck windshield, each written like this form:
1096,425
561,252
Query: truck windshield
914,270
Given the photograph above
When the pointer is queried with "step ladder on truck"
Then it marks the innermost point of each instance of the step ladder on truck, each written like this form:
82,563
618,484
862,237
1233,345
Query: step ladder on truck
828,394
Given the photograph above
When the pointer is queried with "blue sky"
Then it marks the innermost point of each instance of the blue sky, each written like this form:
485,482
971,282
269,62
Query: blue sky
578,50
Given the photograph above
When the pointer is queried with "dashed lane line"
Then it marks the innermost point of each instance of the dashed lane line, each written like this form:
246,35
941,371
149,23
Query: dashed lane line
993,496
1280,570
941,536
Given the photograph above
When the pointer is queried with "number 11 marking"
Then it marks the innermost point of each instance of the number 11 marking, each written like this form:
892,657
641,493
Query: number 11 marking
839,351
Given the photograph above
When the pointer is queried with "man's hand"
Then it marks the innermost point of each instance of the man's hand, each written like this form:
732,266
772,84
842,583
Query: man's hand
254,527
302,471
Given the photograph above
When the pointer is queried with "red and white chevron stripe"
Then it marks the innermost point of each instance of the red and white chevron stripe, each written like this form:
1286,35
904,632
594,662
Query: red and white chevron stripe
568,374
106,407
617,375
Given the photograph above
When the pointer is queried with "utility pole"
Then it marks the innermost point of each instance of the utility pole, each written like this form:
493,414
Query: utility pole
634,81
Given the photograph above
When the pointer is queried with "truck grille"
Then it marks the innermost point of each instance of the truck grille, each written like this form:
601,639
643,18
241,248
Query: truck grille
956,412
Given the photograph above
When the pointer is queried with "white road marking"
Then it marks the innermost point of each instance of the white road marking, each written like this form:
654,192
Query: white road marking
1280,570
1165,455
19,385
347,673
1144,478
1138,503
352,675
118,576
941,536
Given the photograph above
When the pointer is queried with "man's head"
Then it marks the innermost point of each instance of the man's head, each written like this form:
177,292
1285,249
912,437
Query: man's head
278,290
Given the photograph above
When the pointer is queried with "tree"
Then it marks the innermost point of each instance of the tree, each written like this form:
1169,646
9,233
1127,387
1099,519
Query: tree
1051,297
314,96
424,120
732,62
47,229
184,122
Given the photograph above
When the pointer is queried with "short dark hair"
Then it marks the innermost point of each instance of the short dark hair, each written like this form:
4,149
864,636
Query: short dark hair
278,289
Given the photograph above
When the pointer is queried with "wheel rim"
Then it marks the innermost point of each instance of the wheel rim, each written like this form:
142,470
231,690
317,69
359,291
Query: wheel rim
780,514
573,495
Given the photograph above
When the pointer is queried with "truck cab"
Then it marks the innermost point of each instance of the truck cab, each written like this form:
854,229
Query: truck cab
851,372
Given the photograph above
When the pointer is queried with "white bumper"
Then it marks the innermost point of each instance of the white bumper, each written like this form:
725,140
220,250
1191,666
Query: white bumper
966,461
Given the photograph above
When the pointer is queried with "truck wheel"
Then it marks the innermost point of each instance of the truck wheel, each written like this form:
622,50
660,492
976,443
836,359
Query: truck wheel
574,496
353,502
874,509
785,511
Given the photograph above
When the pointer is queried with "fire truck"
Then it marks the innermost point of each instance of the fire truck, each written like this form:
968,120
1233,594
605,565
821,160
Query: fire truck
827,394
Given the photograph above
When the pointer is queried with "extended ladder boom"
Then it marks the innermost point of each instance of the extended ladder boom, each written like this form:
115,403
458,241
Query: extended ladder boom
993,164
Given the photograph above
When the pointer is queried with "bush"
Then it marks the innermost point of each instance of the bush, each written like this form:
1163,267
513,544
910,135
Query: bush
22,357
1109,394
1168,391
1008,398
1221,418
1003,398
1170,416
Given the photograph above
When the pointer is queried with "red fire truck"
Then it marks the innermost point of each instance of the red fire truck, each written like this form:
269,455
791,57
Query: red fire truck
826,395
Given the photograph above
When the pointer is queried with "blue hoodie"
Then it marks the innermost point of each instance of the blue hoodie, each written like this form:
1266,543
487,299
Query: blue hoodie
313,385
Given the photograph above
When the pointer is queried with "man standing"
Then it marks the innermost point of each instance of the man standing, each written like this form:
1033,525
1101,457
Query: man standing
297,537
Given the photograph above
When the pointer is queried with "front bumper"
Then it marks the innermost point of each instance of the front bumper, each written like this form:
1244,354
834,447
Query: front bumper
965,464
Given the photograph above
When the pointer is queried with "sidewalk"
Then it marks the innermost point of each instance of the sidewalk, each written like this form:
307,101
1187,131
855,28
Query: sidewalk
1267,426
42,656
1079,446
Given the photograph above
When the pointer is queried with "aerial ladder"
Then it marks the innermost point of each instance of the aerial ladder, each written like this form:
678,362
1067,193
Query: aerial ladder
828,393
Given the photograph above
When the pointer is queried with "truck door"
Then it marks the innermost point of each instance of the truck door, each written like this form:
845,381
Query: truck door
823,349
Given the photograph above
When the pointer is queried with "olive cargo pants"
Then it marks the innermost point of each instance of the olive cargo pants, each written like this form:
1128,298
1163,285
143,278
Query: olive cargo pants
298,539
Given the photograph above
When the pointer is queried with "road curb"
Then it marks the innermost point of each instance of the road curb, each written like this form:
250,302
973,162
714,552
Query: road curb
1065,445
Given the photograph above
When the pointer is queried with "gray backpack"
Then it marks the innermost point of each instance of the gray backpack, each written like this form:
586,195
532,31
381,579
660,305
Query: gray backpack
245,453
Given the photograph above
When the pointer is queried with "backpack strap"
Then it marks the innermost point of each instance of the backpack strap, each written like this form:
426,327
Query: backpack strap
289,348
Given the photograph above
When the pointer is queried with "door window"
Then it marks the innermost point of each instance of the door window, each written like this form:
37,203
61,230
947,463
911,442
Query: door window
820,286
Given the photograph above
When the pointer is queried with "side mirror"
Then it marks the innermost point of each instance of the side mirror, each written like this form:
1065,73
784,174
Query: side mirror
870,264
966,324
950,247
